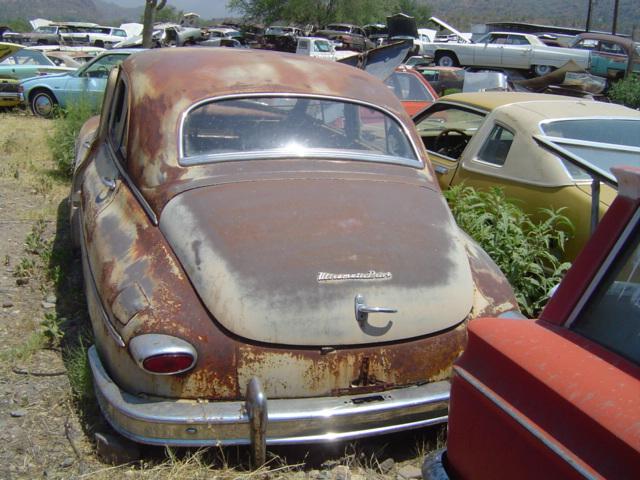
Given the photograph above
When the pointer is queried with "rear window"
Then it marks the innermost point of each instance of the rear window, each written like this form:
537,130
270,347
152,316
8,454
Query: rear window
603,142
286,127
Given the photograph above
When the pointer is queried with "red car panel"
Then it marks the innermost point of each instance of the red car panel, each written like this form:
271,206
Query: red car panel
538,399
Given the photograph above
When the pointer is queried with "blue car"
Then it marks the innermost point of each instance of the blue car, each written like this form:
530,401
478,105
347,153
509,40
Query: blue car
87,85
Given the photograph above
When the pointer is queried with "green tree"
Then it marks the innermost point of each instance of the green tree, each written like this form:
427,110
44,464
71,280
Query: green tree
321,12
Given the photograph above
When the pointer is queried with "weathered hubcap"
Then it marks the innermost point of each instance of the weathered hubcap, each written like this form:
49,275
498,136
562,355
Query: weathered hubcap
43,105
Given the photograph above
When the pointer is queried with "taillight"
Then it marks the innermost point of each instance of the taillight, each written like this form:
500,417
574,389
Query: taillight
161,354
168,364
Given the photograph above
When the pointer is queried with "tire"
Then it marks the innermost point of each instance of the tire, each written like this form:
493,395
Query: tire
447,59
43,103
541,70
98,43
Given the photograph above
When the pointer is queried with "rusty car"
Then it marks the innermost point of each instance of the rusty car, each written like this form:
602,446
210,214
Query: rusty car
267,256
560,395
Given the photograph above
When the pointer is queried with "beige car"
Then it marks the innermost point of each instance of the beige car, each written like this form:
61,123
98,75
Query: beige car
487,139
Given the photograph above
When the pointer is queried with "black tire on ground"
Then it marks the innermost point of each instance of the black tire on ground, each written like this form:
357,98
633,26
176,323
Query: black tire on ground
43,103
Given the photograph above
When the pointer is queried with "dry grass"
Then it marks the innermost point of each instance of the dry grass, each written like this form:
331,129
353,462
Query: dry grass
26,158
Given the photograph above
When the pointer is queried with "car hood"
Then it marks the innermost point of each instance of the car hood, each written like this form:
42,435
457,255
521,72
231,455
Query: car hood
7,49
48,77
281,261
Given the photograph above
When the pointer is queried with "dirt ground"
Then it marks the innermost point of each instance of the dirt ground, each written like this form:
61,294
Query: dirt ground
47,427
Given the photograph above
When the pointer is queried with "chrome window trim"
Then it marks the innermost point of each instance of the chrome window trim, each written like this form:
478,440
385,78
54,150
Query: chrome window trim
419,163
117,157
522,420
602,271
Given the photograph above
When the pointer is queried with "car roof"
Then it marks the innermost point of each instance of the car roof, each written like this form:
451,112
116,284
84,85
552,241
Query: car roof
491,100
221,71
161,93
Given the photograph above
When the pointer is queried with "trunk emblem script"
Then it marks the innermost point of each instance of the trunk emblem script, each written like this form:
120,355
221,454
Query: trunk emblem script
370,275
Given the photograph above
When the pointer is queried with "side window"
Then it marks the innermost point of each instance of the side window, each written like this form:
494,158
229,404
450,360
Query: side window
587,44
118,120
611,317
610,47
498,39
517,40
496,147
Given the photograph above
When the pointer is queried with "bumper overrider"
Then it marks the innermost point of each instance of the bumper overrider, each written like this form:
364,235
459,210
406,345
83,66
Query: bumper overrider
258,421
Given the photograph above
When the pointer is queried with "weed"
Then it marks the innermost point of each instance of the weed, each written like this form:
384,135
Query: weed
67,125
626,92
25,269
51,328
79,372
527,252
34,342
34,242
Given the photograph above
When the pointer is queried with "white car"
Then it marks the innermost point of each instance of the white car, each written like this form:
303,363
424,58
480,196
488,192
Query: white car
507,50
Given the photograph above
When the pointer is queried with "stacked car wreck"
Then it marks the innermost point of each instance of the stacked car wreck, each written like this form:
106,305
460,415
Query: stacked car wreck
270,220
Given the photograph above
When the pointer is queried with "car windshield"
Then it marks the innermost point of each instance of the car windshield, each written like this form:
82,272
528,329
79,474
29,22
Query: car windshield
339,28
602,142
277,127
319,46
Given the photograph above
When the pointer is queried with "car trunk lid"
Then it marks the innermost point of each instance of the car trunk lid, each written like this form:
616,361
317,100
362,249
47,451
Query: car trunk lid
282,261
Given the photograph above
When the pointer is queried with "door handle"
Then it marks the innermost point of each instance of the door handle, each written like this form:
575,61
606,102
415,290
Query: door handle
110,183
440,170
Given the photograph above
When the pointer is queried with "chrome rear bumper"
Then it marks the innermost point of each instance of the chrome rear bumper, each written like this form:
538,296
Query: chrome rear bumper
289,421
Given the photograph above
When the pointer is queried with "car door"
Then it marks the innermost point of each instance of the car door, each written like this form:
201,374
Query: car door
445,129
611,58
89,83
517,52
489,53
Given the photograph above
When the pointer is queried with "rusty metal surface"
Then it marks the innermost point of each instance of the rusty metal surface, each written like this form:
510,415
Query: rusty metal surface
261,243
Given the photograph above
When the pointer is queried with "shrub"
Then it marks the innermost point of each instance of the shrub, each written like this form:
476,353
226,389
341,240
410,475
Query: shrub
626,92
67,125
526,251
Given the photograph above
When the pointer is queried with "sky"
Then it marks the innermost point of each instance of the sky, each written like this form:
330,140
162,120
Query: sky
204,8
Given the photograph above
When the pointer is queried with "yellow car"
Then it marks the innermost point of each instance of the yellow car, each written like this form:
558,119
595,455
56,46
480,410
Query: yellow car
487,139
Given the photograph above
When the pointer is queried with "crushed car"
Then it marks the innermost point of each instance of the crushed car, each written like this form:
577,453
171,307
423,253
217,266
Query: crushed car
271,261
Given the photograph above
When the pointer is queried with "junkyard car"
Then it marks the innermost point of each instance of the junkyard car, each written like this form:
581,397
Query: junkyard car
346,37
506,50
558,397
411,88
86,85
486,139
18,62
611,56
268,256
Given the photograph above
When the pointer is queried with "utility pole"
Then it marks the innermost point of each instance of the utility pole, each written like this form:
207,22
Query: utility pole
588,26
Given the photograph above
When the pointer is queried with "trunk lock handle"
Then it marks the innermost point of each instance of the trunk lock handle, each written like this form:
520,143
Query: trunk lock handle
363,310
